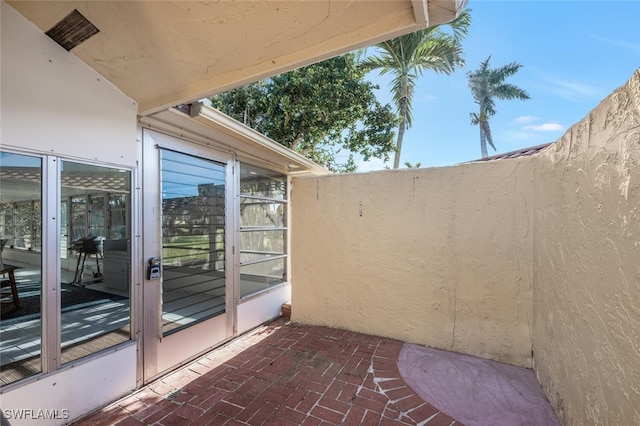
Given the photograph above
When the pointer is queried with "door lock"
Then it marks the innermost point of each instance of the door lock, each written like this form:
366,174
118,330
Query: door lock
153,270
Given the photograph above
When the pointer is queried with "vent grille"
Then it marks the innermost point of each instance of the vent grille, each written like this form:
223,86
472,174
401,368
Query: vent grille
72,30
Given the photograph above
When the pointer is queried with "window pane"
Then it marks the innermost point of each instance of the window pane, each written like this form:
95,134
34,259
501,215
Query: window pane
193,238
261,276
260,182
263,208
20,228
95,289
258,212
260,244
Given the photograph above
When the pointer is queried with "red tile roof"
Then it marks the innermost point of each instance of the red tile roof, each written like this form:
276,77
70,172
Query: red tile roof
517,153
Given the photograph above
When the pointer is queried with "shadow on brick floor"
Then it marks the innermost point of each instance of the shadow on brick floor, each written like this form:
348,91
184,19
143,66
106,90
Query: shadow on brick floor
282,374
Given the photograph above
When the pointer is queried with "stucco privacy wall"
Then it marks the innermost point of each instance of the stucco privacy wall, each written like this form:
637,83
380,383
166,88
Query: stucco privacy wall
439,257
586,335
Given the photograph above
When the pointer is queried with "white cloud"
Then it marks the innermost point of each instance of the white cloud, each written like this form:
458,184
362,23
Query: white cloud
546,127
428,98
525,119
522,136
573,90
619,43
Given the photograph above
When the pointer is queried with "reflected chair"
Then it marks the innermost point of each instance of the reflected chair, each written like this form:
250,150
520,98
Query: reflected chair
3,242
11,282
8,270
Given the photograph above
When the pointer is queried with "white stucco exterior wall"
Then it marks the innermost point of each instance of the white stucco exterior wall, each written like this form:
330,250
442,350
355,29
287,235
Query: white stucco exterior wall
586,301
51,102
439,257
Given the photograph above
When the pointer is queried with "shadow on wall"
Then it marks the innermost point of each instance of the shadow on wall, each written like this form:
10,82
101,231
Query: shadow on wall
499,259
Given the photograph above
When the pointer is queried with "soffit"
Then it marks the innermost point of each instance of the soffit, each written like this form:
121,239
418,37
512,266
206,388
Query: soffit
206,126
165,53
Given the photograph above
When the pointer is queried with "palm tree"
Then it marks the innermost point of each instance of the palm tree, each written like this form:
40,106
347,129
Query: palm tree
486,84
408,56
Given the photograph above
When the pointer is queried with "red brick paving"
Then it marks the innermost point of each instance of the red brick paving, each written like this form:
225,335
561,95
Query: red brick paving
282,374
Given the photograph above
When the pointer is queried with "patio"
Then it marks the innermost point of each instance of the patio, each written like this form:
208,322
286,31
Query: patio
283,373
531,261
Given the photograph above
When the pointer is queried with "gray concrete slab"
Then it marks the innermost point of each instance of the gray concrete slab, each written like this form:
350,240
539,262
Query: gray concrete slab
475,391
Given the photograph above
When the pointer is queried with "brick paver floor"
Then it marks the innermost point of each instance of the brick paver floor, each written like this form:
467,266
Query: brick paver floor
282,374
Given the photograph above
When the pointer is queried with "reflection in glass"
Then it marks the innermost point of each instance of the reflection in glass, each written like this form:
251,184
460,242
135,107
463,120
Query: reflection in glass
96,215
255,277
261,245
262,183
118,213
263,232
78,217
193,240
20,271
95,288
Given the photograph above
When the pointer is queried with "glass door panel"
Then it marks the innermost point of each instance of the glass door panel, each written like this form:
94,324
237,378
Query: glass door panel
193,240
95,288
20,266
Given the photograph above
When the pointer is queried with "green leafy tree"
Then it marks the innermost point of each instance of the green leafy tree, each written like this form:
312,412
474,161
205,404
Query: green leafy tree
320,111
486,84
408,56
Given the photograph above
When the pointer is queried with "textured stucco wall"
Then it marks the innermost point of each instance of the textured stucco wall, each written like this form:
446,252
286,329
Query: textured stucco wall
440,257
448,258
586,336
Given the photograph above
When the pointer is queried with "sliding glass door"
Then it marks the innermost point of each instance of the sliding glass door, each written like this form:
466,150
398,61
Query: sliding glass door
95,279
21,198
65,245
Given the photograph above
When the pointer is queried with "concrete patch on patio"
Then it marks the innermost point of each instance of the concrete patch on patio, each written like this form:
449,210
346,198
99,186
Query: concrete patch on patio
473,390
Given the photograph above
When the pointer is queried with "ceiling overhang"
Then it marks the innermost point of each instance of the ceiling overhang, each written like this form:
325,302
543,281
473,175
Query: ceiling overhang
166,53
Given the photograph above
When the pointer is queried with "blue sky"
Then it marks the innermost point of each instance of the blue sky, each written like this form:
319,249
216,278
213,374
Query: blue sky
574,54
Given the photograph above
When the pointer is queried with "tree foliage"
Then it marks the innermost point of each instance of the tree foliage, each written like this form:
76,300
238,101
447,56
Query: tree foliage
412,166
486,84
318,111
408,56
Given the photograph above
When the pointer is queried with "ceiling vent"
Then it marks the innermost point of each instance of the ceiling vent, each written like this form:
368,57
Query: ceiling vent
72,30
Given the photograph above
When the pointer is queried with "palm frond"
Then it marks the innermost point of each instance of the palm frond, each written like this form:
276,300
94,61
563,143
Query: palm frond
381,63
508,70
460,25
441,54
510,91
